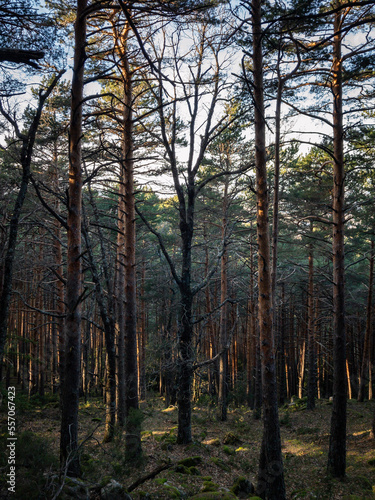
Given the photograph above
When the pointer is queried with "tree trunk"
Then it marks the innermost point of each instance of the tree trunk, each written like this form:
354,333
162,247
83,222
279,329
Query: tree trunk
70,391
185,361
258,375
128,244
58,271
337,445
132,425
185,358
121,42
142,339
210,326
311,384
223,362
301,367
251,335
120,302
367,348
271,477
280,370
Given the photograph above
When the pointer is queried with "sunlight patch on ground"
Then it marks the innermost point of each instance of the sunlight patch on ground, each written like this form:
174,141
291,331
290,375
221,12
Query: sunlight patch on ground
169,409
300,449
362,433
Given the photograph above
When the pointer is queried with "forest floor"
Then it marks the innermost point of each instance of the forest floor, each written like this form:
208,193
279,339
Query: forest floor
220,453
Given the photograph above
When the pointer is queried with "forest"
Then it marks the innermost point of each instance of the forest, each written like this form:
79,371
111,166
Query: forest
187,244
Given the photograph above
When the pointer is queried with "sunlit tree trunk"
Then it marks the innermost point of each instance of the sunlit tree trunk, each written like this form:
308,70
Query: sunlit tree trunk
270,477
120,302
70,390
337,445
133,438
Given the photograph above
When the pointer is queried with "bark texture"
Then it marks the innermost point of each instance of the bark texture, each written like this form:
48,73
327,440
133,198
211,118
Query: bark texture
311,384
223,362
70,390
366,365
132,423
270,477
337,444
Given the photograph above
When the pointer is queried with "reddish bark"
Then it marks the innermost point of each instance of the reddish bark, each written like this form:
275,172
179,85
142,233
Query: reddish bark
70,390
337,446
271,477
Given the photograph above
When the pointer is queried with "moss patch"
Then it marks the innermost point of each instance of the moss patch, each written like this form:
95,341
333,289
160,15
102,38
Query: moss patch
220,463
214,495
190,461
209,486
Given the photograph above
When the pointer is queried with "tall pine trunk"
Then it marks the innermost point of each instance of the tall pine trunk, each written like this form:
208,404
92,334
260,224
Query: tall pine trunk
223,363
185,359
120,299
70,390
270,477
280,365
311,383
132,423
185,338
337,445
58,271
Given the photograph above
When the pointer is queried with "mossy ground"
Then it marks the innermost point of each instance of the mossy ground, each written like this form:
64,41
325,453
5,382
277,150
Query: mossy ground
304,436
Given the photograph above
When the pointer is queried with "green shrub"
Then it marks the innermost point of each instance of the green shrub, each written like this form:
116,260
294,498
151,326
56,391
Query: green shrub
34,459
285,419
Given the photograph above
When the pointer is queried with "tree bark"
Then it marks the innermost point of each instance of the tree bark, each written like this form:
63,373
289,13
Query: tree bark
337,445
271,477
132,425
120,302
275,239
22,56
311,384
142,339
251,335
367,351
185,359
223,362
70,391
